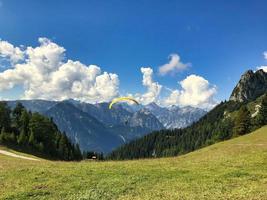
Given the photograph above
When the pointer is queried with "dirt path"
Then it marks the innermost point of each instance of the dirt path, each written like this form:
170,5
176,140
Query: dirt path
17,156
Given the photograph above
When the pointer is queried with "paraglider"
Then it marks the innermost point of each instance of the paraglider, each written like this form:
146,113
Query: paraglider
122,99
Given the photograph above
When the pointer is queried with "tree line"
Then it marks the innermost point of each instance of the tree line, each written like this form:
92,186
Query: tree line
228,119
35,133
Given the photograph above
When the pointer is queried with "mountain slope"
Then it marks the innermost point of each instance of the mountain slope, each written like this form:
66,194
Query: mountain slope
179,141
234,169
101,136
144,118
119,116
101,111
83,129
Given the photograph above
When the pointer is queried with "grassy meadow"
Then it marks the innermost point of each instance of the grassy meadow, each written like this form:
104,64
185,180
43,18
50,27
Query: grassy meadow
234,169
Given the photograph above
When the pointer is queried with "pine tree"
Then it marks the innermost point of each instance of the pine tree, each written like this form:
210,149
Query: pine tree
77,152
24,122
242,122
22,139
40,147
12,138
32,139
2,136
16,114
5,120
261,118
63,149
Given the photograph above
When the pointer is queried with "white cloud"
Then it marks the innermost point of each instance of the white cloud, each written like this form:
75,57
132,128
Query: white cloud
153,88
262,67
8,51
196,91
174,65
45,75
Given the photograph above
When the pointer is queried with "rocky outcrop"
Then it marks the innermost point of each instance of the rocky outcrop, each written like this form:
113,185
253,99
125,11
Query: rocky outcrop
250,86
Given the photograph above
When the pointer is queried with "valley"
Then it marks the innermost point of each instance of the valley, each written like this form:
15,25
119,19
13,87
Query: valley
133,100
95,127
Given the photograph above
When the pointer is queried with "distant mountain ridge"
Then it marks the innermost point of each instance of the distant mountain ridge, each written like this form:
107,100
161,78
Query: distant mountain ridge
37,105
98,128
175,116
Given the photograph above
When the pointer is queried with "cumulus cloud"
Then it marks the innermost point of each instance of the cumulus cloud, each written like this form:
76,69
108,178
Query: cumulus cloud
196,91
8,51
45,74
174,65
153,88
264,67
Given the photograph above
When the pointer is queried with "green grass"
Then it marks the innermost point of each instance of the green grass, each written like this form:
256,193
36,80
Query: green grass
234,169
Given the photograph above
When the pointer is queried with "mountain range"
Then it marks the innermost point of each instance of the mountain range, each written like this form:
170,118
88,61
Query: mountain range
95,127
175,116
245,111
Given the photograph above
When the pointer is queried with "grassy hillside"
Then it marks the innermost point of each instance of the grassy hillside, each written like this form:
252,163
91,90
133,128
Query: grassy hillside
234,169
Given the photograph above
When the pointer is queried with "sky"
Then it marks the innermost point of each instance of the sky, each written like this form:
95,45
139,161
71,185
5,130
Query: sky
170,52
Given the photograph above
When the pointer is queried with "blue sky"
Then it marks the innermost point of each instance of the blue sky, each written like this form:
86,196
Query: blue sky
221,39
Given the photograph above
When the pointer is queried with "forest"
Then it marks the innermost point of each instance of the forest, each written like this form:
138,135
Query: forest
36,134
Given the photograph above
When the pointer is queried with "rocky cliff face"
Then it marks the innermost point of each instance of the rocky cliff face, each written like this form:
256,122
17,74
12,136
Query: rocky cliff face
144,118
251,85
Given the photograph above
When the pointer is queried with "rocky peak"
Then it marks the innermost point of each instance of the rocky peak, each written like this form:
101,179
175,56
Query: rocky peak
174,108
152,105
250,86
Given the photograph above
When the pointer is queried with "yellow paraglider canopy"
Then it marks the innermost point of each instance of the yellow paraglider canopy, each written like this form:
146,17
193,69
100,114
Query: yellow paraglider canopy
122,99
